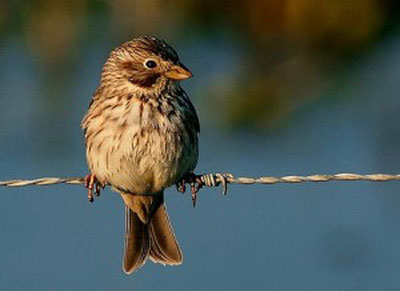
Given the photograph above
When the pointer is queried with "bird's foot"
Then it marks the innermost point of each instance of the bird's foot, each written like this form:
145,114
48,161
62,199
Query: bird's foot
180,186
93,185
195,183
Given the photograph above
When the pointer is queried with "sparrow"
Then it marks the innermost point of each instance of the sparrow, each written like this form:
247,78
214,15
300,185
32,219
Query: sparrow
141,135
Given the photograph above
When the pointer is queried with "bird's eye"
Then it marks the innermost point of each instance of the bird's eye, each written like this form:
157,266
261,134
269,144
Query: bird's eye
150,64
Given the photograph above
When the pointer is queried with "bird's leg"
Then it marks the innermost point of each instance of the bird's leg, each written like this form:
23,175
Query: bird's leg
93,185
195,185
180,186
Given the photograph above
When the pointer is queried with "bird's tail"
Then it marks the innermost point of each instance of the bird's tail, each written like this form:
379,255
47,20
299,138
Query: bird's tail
154,238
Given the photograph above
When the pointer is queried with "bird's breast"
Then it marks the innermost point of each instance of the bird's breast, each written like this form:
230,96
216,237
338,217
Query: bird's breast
143,145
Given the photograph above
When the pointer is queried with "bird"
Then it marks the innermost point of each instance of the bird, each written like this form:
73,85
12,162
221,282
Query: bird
141,136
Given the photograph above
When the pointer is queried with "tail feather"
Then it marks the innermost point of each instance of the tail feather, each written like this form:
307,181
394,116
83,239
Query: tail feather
164,248
137,244
155,239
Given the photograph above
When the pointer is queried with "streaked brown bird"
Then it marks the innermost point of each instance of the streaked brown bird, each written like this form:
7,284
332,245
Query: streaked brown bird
141,137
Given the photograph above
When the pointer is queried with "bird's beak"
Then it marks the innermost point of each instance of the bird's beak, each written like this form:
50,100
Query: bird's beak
178,72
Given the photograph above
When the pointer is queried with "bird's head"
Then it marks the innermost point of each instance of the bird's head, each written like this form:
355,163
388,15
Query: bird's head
144,64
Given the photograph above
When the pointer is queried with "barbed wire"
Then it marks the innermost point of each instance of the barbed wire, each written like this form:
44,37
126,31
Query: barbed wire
214,180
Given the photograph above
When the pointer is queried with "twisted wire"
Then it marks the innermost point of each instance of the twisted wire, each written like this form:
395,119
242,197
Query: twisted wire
214,180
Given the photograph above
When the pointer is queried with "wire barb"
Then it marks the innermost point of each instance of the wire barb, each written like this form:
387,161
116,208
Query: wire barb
214,180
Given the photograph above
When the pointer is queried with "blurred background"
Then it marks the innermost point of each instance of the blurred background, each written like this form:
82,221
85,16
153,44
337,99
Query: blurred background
281,87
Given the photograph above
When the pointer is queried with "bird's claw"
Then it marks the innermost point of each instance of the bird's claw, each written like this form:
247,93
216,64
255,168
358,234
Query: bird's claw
93,185
195,183
180,186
